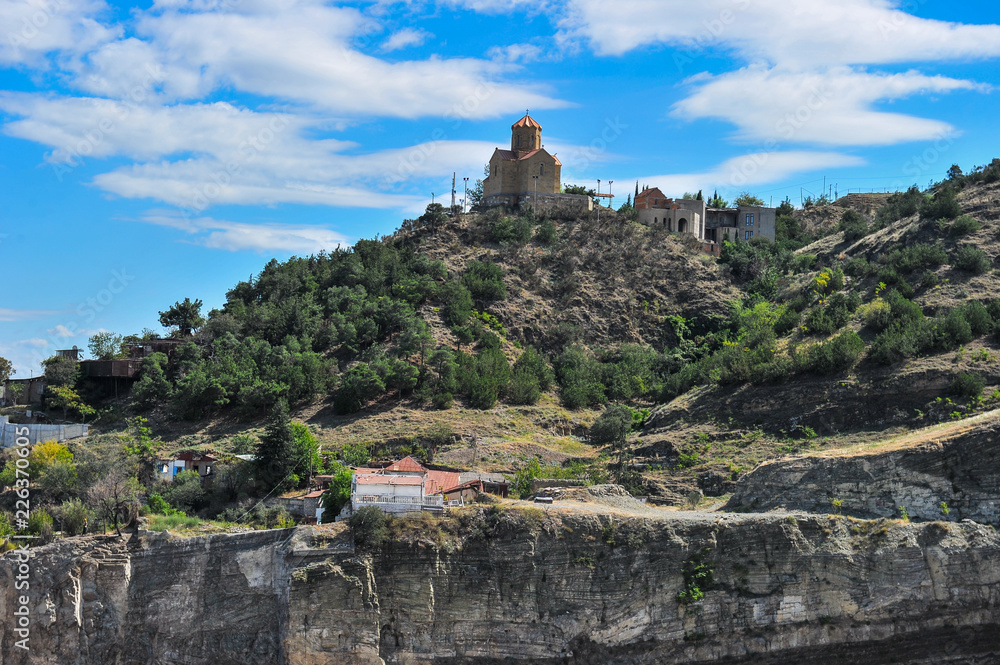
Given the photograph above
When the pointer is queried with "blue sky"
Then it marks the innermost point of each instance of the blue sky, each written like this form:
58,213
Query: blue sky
158,150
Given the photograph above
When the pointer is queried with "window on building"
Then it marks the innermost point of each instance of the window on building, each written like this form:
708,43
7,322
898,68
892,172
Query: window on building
541,169
750,219
518,140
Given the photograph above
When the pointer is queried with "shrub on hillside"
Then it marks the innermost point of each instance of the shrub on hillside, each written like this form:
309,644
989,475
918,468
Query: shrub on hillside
967,385
859,267
506,230
485,281
370,527
898,206
978,317
836,354
971,259
943,205
853,226
952,330
787,322
546,232
962,226
914,257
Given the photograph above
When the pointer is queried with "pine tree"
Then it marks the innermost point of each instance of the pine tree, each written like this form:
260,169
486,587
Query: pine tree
274,452
637,188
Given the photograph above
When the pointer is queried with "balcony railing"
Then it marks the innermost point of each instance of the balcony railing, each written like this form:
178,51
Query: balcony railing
436,501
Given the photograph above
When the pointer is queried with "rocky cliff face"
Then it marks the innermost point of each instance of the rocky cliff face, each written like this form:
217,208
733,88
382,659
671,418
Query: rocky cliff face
520,586
957,464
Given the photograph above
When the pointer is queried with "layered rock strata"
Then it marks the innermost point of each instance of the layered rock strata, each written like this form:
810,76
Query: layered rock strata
520,586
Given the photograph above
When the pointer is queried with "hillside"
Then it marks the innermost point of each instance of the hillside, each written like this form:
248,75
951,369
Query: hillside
495,342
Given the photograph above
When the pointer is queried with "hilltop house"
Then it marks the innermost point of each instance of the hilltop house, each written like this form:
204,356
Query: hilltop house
711,225
527,175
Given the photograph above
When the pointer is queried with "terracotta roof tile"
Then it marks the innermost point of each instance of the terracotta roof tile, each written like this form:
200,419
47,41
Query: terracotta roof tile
526,121
374,479
406,465
438,480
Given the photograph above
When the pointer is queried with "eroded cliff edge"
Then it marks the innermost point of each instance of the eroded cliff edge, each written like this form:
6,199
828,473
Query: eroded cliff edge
520,586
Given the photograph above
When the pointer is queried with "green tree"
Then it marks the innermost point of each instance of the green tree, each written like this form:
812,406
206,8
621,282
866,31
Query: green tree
152,388
339,492
6,369
434,216
457,303
15,390
484,280
106,345
73,514
185,492
358,386
611,429
717,201
61,371
137,442
274,455
785,208
185,316
579,190
305,453
65,398
748,199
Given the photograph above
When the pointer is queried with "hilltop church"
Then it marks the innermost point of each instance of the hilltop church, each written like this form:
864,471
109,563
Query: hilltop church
527,175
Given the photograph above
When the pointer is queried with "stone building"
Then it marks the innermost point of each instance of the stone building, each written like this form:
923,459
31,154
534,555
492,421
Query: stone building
527,174
677,215
710,225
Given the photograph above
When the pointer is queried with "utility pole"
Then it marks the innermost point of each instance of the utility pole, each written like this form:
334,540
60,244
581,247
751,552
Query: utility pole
453,174
611,201
465,200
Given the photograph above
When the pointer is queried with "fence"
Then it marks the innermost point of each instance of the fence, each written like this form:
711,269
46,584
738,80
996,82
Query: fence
38,433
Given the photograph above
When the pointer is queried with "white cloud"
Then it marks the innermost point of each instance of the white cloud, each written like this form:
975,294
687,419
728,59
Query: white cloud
406,38
32,29
235,236
801,33
503,6
198,155
832,107
7,314
754,169
794,48
64,332
307,52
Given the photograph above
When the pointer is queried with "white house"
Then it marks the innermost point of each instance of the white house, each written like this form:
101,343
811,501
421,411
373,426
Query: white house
403,487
